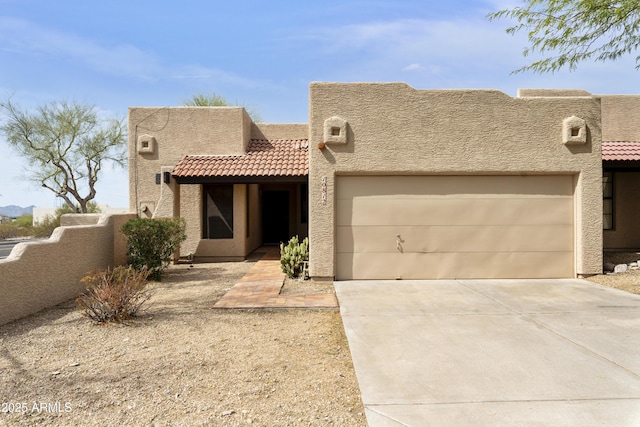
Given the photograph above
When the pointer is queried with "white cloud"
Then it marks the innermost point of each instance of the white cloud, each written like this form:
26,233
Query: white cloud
417,41
24,37
412,67
198,72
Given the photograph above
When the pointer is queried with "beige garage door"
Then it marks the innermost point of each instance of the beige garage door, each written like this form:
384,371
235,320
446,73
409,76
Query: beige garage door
433,227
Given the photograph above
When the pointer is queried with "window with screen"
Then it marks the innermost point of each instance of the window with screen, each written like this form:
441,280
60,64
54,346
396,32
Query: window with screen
218,211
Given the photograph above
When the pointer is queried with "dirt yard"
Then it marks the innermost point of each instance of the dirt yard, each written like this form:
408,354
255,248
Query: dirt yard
181,363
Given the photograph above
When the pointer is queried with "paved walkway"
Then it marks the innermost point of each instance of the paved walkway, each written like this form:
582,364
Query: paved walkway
260,288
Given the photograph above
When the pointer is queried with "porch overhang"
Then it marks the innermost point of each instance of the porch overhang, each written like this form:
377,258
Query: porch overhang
266,161
241,179
621,156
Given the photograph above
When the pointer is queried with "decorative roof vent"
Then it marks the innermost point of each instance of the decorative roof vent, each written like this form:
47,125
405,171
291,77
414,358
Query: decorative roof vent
146,144
574,131
335,131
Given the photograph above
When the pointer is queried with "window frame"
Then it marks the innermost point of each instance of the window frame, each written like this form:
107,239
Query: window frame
608,195
224,194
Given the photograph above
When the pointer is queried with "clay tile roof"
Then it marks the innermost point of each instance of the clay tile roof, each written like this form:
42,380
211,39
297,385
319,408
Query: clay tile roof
620,150
282,157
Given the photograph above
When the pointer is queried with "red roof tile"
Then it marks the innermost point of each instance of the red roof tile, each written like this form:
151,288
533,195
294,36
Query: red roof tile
263,158
620,150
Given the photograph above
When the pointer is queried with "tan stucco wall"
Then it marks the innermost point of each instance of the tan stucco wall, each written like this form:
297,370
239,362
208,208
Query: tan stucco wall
279,131
626,232
68,220
37,275
179,131
395,129
191,211
620,117
255,215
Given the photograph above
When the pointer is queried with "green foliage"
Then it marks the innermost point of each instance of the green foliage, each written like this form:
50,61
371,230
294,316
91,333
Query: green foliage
18,227
293,255
576,30
8,230
152,242
23,226
65,145
202,100
214,100
114,295
92,207
46,226
24,221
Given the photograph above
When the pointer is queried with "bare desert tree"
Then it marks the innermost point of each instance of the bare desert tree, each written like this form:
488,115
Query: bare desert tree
66,145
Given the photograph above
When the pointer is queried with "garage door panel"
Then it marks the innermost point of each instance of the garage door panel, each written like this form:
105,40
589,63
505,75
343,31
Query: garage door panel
458,211
556,238
453,265
454,227
385,186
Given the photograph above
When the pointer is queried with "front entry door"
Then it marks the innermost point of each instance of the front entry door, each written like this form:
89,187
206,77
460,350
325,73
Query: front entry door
275,217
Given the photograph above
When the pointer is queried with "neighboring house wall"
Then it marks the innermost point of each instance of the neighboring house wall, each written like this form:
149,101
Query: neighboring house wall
626,230
620,119
393,129
37,275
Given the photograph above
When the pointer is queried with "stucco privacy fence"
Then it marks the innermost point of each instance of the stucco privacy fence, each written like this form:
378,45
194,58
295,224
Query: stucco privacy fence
38,275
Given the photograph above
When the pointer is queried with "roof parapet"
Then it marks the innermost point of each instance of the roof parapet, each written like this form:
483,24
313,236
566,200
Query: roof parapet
549,93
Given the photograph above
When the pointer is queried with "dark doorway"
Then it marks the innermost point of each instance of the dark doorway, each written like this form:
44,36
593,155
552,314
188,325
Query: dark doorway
275,217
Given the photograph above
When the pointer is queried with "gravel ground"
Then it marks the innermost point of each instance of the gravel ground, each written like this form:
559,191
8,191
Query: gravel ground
628,281
181,363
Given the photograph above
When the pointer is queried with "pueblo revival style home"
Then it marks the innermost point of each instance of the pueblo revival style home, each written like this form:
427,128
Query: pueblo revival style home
390,182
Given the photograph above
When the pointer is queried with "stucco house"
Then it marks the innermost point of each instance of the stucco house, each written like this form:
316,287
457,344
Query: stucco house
390,182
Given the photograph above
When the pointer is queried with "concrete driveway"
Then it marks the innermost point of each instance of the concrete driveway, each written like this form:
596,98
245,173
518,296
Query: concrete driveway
494,352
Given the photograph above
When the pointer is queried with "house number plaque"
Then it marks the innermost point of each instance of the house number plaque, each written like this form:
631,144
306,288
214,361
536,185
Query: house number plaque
324,190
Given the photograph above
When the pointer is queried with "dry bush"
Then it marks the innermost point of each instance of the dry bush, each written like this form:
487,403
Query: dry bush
8,230
114,295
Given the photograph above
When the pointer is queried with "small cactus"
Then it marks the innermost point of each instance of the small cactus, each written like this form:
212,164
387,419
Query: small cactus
293,255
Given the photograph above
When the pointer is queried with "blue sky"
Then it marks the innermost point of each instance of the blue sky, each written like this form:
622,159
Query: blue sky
264,54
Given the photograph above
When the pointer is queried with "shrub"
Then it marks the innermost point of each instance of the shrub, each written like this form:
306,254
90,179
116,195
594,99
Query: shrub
24,221
8,230
293,255
92,207
152,242
46,226
114,295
